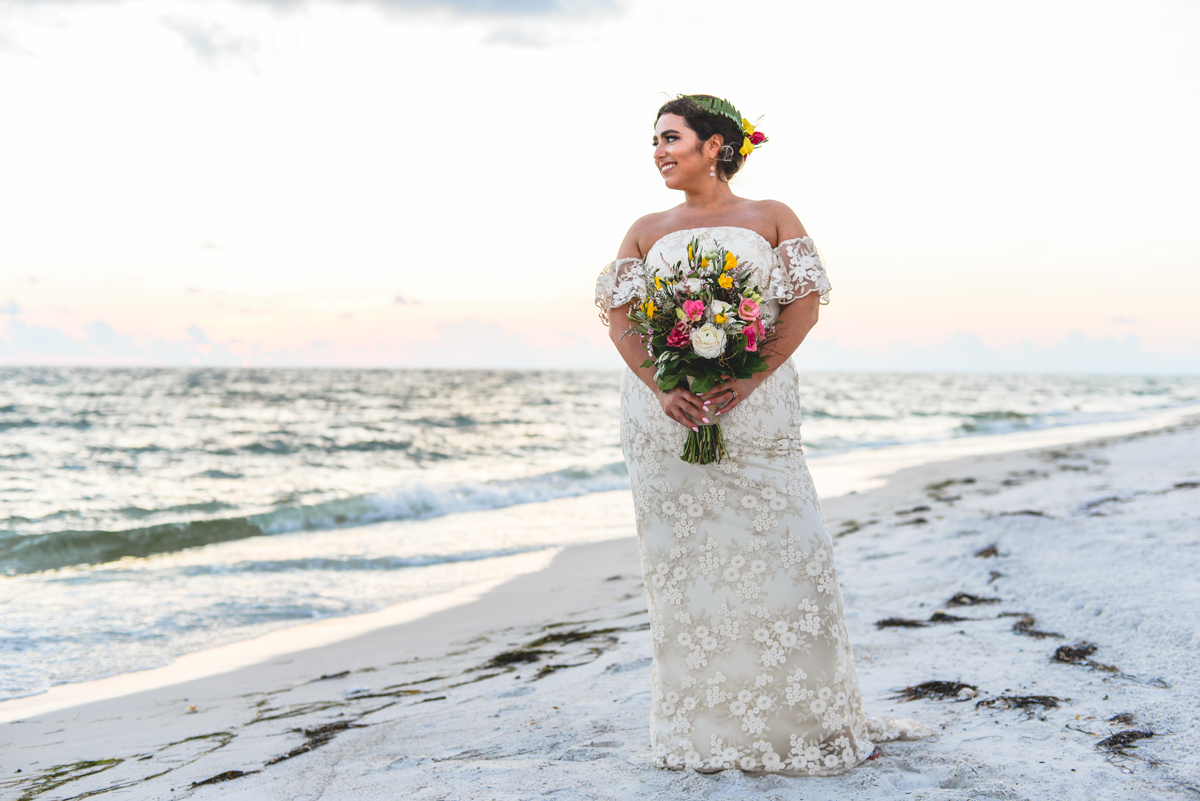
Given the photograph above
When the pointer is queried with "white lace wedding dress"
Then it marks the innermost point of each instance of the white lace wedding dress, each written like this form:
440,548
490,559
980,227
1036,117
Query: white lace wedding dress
752,664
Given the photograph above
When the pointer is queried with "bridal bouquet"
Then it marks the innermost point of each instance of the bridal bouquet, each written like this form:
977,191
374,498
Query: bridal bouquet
701,321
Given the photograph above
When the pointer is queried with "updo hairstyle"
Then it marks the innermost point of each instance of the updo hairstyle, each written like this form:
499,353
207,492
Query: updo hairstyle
706,125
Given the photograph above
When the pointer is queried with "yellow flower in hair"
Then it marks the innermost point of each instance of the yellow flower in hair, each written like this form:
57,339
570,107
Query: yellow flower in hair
747,148
726,281
747,127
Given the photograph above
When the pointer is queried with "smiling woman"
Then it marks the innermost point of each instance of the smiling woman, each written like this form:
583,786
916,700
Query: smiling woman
703,125
752,662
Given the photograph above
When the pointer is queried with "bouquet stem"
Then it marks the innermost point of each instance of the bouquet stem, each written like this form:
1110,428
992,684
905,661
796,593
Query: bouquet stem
705,446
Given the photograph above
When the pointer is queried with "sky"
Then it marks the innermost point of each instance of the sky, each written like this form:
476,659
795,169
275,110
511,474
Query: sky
436,183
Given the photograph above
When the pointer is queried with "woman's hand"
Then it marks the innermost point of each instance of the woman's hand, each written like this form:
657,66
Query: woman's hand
686,408
724,397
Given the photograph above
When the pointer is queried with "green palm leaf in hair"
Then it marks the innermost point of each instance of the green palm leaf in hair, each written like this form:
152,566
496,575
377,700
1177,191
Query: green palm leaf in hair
716,105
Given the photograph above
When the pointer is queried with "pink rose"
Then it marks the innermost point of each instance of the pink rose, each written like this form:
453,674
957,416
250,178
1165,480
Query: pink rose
762,330
748,310
751,333
679,336
694,309
757,138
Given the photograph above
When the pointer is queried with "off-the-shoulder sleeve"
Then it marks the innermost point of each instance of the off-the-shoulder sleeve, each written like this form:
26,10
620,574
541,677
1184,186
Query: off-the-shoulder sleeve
799,270
619,282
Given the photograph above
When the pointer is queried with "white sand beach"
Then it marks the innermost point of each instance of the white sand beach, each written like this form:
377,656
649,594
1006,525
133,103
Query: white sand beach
984,567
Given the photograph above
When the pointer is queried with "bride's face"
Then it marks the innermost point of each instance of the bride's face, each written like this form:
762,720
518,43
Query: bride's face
679,154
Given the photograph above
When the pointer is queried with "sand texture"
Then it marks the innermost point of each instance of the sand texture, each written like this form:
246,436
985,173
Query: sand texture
1041,604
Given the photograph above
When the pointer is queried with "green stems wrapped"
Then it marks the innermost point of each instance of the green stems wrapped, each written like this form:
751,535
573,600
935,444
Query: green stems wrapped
705,446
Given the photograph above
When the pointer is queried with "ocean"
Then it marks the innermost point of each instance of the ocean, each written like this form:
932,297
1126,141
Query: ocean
147,513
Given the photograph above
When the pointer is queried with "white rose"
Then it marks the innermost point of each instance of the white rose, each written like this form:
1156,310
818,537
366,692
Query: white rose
694,285
708,341
721,307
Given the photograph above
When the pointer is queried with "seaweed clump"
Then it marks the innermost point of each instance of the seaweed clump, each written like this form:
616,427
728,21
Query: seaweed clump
1120,742
313,739
906,623
564,637
517,657
938,690
1029,703
966,599
224,777
1026,625
1078,654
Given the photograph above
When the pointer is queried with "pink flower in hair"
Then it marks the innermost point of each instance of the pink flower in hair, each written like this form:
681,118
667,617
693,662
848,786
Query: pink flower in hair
694,309
679,336
757,138
748,310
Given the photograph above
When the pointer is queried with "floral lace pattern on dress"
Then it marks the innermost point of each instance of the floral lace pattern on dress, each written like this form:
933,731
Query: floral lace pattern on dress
752,662
619,282
783,274
798,271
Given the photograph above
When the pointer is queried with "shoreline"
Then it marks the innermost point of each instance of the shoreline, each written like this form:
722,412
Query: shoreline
839,476
540,685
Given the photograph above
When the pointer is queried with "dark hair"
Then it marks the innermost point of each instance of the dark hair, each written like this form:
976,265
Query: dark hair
706,125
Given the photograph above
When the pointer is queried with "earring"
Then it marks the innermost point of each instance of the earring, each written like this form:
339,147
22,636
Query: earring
712,170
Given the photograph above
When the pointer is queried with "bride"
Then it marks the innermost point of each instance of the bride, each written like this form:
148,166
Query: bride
752,663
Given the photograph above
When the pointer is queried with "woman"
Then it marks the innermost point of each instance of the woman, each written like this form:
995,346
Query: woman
752,665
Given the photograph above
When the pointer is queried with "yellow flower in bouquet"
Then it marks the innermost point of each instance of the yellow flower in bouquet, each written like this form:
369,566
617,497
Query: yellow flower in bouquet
725,281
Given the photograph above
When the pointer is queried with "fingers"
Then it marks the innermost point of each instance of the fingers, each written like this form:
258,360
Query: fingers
687,409
726,397
696,408
691,410
673,409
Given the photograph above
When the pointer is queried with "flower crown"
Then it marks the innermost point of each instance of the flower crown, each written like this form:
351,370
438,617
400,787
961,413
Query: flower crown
751,137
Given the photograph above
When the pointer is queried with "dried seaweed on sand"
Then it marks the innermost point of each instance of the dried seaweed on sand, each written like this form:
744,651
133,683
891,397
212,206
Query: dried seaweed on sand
938,690
1026,702
966,599
1121,741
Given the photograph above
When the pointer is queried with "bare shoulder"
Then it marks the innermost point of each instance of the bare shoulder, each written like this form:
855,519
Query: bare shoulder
787,224
641,231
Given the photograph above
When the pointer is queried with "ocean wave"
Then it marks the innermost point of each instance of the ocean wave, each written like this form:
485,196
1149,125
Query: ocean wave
355,563
35,553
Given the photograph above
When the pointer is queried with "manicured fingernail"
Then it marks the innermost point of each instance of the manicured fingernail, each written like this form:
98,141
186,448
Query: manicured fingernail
707,402
718,414
705,419
696,429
